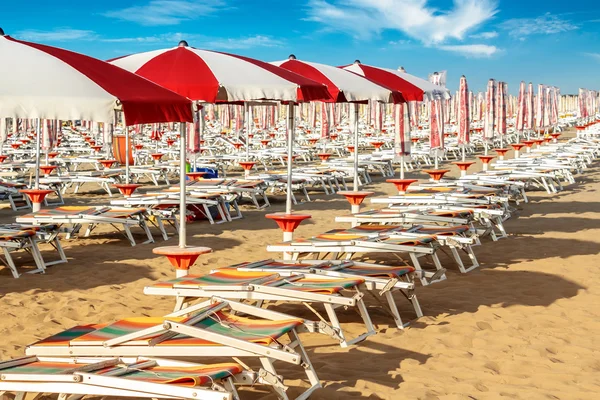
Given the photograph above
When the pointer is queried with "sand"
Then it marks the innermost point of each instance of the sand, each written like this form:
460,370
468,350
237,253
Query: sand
524,325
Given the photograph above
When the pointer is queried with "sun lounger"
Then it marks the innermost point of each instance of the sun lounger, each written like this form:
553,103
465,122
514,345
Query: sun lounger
321,246
139,377
76,216
381,280
264,286
214,328
458,237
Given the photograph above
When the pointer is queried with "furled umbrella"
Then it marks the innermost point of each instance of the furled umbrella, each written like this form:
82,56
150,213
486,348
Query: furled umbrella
464,115
490,108
43,82
530,109
521,106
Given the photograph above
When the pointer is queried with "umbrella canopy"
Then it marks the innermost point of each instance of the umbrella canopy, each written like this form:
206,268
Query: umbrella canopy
343,86
38,81
411,87
211,76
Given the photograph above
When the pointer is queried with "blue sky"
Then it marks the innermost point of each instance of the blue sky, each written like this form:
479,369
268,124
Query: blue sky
553,42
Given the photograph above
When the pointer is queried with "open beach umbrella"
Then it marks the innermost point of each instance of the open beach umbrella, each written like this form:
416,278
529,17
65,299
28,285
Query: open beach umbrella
343,87
412,88
212,77
464,114
44,82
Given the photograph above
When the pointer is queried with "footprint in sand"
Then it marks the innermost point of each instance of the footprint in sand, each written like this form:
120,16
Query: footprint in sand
483,325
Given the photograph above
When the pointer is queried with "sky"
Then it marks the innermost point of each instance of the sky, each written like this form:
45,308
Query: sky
553,42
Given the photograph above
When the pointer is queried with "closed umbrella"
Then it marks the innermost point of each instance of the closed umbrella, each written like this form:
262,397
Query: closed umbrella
521,108
489,115
464,114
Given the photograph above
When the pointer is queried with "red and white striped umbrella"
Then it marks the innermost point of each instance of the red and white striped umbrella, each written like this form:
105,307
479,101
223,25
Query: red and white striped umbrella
194,132
521,106
501,110
43,82
436,121
554,109
401,134
211,76
539,113
343,86
464,113
324,121
490,108
529,108
582,104
38,81
411,87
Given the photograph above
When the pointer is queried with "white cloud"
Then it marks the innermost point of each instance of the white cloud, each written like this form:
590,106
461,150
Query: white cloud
472,50
166,12
399,42
364,19
546,24
244,43
485,35
202,41
56,35
595,56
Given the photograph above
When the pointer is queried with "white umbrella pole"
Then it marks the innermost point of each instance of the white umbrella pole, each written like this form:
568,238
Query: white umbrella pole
246,112
463,152
355,183
291,128
126,151
402,167
182,199
37,154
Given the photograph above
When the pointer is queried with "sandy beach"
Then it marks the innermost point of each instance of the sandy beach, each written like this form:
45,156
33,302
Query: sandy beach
524,325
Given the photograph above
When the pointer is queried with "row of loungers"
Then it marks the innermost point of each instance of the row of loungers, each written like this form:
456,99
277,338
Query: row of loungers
136,356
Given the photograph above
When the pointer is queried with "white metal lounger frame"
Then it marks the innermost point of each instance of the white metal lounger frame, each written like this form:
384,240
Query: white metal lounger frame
264,293
78,220
368,245
81,381
225,346
339,269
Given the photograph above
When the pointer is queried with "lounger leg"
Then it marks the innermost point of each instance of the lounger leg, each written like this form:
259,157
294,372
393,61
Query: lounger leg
416,305
180,302
10,262
311,374
146,229
279,389
37,257
458,260
161,227
129,235
333,321
394,309
469,250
